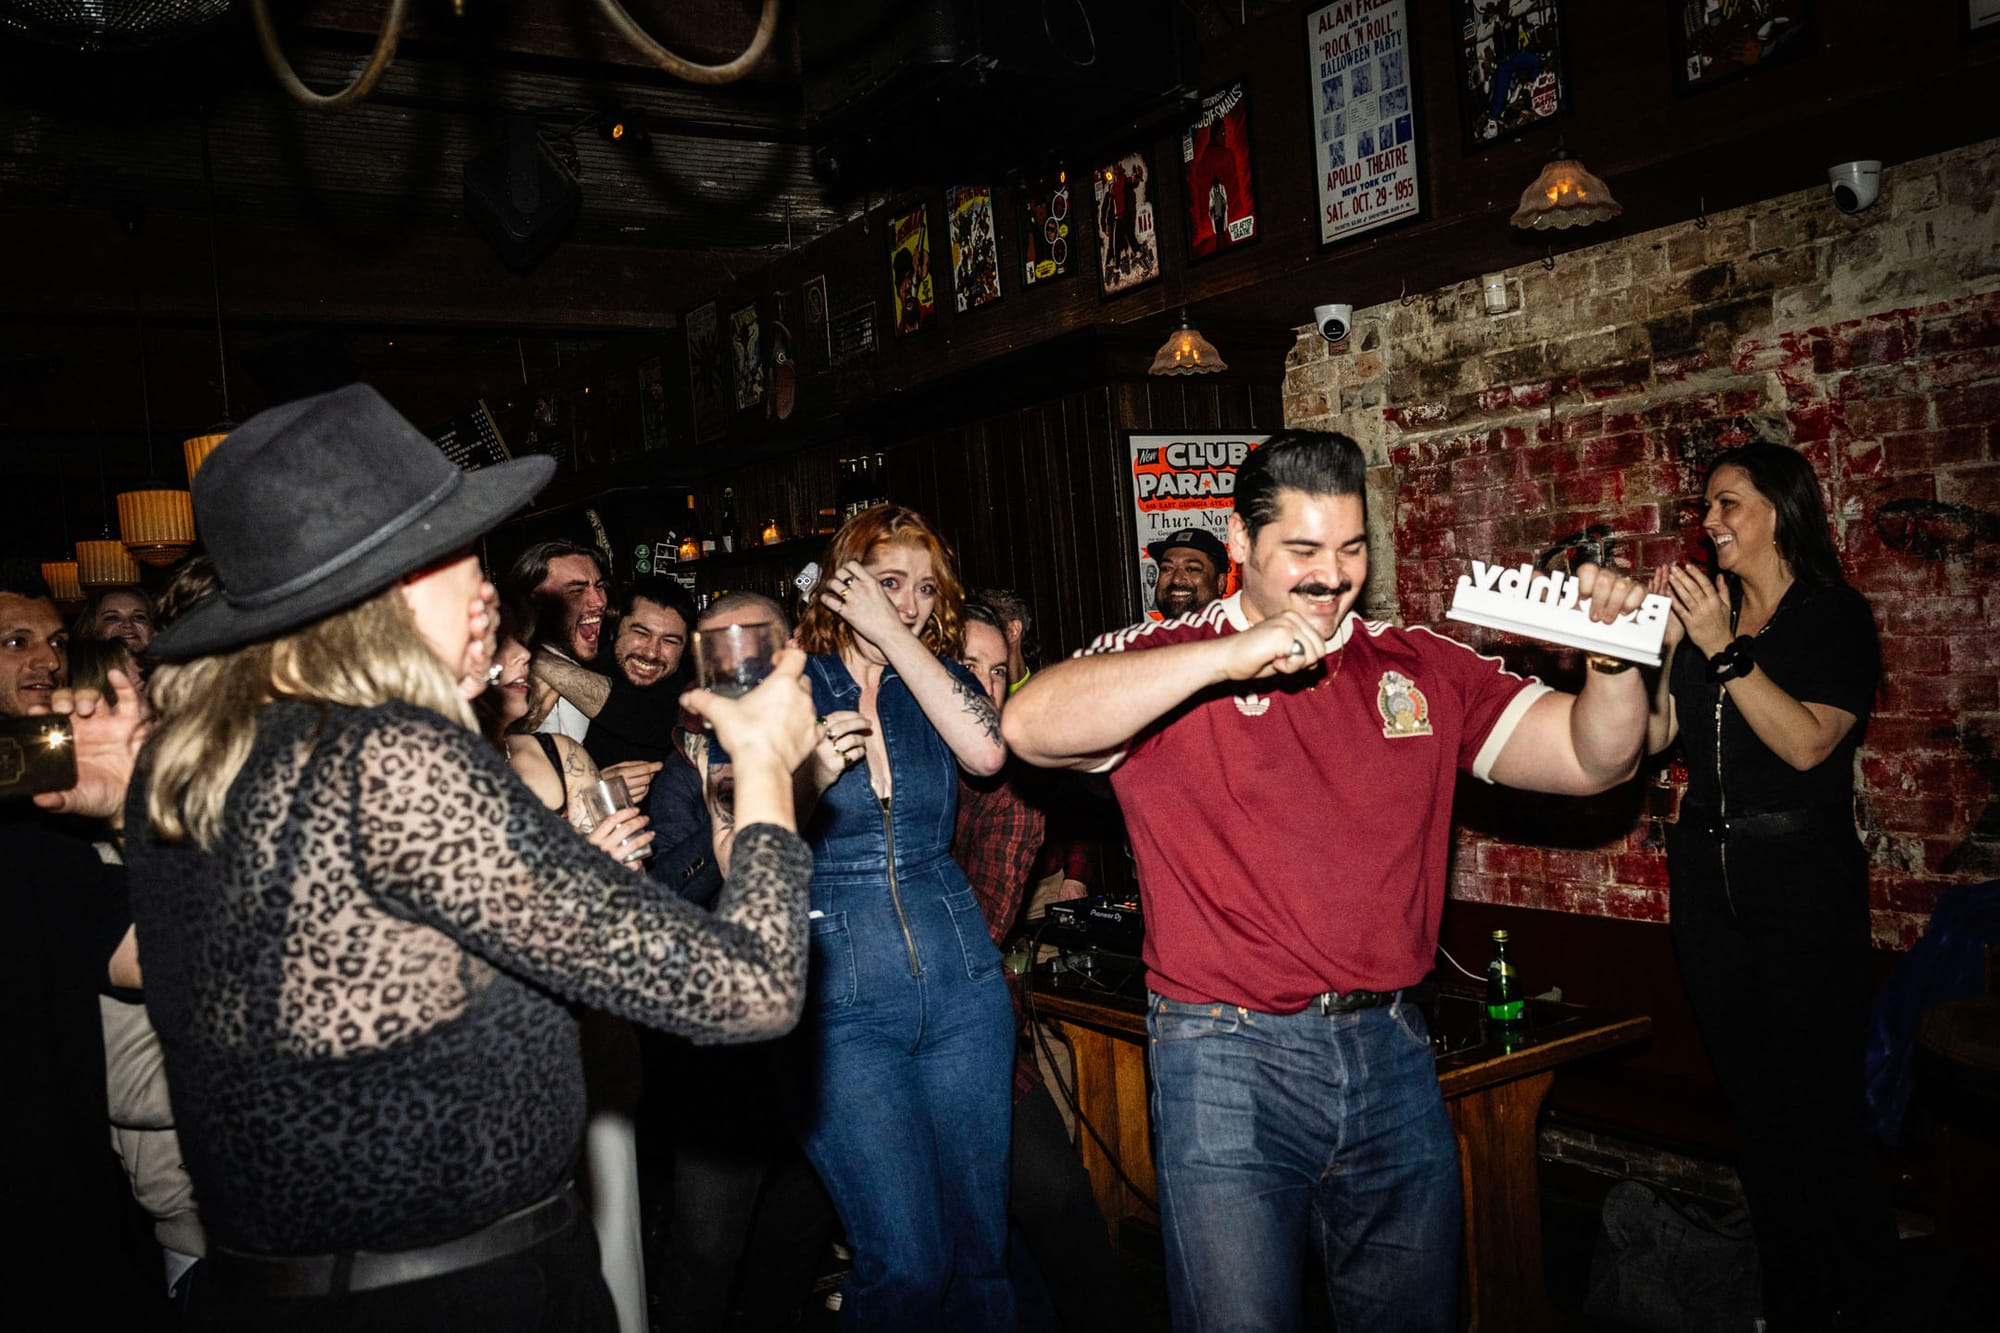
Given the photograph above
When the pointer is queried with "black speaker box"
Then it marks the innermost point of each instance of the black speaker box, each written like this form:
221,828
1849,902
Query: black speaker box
520,197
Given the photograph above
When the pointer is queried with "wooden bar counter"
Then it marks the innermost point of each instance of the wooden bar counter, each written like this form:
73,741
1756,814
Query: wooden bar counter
1493,1085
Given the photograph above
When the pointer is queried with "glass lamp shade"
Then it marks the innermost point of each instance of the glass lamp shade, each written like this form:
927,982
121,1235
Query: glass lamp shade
690,549
1565,195
157,525
198,447
60,575
1186,352
771,536
105,563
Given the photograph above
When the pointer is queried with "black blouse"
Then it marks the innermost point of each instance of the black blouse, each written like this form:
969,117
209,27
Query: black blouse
1819,647
361,992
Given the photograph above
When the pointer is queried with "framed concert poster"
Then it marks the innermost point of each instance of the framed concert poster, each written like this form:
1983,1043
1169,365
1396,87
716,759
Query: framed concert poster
912,287
1511,77
1128,242
1714,43
1047,241
746,344
1215,167
1365,134
975,249
708,373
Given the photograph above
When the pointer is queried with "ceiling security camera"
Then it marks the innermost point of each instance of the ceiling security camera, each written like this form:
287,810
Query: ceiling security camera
1334,321
1855,185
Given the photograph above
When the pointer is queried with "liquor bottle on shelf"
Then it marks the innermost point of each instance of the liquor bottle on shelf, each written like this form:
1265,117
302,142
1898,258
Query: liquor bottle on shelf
690,548
1504,1001
726,525
878,481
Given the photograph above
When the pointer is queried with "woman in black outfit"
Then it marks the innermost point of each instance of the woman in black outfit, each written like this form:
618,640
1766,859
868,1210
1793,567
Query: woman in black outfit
360,930
1770,674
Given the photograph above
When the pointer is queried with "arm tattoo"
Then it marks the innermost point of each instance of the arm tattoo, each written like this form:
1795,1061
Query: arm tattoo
722,797
980,708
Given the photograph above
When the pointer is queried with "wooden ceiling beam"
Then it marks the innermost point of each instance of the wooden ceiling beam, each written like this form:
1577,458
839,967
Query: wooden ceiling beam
277,275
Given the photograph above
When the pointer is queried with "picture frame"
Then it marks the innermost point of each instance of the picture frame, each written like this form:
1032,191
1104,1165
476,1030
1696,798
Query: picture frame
1216,174
746,346
818,343
1979,20
1123,195
1717,45
1512,68
1180,480
912,284
1048,236
1366,130
708,372
975,246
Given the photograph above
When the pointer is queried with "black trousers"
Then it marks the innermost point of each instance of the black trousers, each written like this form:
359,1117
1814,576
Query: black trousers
1773,944
553,1287
1051,1209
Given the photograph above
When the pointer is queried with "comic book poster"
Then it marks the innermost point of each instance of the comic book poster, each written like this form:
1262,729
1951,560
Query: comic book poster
1128,244
1215,165
912,288
1182,481
1714,43
818,346
1510,67
652,405
1364,119
746,347
708,373
1046,239
975,250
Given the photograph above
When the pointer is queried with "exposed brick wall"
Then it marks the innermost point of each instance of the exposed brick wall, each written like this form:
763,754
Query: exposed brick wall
1590,412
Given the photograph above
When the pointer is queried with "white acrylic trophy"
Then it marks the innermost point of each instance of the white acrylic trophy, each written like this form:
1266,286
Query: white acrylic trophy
1544,606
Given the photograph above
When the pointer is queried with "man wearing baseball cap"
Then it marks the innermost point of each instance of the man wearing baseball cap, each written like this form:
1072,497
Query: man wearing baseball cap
1192,563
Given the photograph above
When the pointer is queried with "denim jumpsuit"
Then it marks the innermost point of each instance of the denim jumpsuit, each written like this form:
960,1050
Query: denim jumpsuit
909,1034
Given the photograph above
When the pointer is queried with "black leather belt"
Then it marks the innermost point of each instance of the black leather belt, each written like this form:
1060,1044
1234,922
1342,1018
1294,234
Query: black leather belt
1766,824
1333,1002
370,1270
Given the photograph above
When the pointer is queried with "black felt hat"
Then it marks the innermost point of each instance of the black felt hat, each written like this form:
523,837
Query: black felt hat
313,506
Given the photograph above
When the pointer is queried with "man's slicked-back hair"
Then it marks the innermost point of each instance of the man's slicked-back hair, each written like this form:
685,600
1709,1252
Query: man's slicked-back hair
736,601
1315,462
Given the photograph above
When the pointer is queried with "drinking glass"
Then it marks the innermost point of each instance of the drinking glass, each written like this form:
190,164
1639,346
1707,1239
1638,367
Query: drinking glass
601,800
732,659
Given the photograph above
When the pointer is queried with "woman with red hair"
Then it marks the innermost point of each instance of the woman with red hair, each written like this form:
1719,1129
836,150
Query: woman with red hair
908,1025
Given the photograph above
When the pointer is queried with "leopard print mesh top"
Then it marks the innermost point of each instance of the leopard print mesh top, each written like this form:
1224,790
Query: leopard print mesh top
361,993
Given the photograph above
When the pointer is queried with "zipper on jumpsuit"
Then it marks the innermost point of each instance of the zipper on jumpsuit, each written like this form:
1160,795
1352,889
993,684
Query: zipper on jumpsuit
1722,803
895,896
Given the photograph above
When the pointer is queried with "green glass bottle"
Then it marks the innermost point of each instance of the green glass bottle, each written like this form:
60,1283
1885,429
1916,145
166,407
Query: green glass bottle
1504,1003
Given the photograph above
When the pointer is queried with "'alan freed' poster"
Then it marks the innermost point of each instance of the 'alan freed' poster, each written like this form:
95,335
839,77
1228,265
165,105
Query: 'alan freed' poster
1182,481
1364,121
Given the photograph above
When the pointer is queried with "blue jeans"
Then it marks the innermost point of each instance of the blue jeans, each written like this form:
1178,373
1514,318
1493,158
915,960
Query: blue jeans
908,1118
1263,1123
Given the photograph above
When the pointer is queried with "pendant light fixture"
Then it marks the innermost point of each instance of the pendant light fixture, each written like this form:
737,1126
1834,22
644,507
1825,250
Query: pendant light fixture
196,448
155,521
60,575
1186,352
103,561
1565,195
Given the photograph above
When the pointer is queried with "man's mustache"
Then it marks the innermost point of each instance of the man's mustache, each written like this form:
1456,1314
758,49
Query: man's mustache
1317,589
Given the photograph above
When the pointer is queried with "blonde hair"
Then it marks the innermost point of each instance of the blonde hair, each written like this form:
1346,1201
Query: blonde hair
207,710
821,631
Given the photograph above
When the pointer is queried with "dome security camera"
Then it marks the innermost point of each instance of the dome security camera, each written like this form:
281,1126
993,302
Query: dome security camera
1334,321
1855,185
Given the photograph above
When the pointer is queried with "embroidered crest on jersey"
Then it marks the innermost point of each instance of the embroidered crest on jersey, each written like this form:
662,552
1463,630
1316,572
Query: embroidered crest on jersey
1252,705
1404,710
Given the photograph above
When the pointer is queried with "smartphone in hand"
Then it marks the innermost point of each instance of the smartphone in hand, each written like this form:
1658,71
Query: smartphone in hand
37,754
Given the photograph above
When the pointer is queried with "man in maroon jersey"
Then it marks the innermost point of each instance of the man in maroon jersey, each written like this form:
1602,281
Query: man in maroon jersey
1293,1084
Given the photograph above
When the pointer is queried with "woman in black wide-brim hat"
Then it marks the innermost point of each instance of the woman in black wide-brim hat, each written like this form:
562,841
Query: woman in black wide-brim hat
360,930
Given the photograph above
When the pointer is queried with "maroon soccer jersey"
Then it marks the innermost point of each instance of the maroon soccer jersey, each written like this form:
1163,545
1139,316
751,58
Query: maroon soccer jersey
1292,834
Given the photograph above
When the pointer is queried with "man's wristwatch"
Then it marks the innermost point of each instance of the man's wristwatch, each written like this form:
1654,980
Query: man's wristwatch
1735,660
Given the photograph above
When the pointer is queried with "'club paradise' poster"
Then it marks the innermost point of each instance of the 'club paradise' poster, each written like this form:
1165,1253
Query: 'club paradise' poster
1182,481
1364,127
